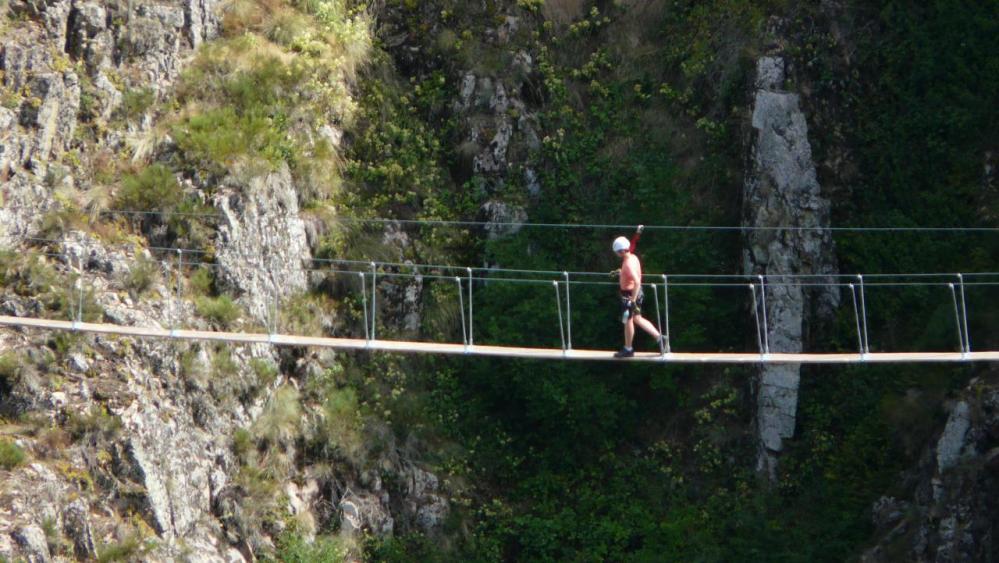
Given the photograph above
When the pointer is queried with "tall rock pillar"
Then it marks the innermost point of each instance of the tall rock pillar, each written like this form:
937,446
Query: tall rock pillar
781,189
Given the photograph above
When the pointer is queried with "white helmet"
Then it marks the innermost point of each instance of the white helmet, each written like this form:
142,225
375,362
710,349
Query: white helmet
621,243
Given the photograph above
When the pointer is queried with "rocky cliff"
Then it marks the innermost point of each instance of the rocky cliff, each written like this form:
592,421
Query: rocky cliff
781,190
945,508
65,63
130,446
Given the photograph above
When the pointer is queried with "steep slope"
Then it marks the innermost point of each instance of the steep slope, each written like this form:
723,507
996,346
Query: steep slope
122,448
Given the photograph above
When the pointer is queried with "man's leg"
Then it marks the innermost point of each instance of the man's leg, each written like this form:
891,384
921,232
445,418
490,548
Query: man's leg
629,332
646,325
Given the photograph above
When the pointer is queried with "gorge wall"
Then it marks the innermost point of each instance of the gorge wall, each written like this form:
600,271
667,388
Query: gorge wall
781,190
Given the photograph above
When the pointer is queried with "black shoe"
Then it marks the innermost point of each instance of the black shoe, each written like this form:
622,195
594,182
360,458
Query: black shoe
624,353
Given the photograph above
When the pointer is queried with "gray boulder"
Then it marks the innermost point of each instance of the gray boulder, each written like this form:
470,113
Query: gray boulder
76,517
34,547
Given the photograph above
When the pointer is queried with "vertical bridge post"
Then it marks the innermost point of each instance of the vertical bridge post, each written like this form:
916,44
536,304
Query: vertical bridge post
666,311
763,307
79,310
558,304
374,300
461,306
471,310
865,345
856,317
178,307
364,307
957,318
756,317
964,313
568,312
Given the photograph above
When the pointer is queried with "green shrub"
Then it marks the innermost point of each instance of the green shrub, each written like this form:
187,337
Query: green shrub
265,370
129,548
292,548
223,365
11,455
340,432
141,276
30,275
202,281
530,5
97,422
215,139
190,365
62,343
242,443
155,188
135,102
279,423
58,221
304,313
222,311
10,370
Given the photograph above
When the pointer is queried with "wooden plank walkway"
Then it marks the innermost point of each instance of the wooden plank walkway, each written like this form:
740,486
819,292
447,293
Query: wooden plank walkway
499,351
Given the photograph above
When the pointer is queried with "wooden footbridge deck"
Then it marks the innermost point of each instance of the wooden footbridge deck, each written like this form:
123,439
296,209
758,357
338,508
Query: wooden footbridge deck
496,351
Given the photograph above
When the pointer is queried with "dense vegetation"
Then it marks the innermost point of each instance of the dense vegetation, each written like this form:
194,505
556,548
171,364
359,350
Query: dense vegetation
600,462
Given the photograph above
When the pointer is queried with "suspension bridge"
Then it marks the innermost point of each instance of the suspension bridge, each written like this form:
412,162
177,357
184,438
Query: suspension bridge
562,286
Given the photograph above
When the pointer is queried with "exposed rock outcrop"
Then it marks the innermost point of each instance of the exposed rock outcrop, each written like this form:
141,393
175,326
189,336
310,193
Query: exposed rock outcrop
781,189
119,47
262,243
401,298
497,121
952,513
171,449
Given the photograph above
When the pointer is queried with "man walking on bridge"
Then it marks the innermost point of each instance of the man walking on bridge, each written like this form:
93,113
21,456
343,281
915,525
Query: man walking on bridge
630,284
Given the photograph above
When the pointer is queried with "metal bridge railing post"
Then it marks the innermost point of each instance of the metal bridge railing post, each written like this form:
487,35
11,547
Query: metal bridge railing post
856,317
461,306
374,300
756,316
763,297
666,311
275,309
471,310
863,316
659,316
964,313
178,309
659,326
568,312
364,307
957,318
79,309
71,308
558,303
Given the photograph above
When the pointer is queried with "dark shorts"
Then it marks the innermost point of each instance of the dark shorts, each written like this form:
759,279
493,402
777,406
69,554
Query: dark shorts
636,308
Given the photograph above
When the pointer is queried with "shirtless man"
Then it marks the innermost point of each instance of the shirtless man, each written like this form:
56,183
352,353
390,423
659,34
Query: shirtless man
630,284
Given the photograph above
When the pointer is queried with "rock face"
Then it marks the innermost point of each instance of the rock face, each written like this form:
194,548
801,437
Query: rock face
952,513
47,95
263,248
495,122
171,449
76,519
500,129
781,189
416,500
